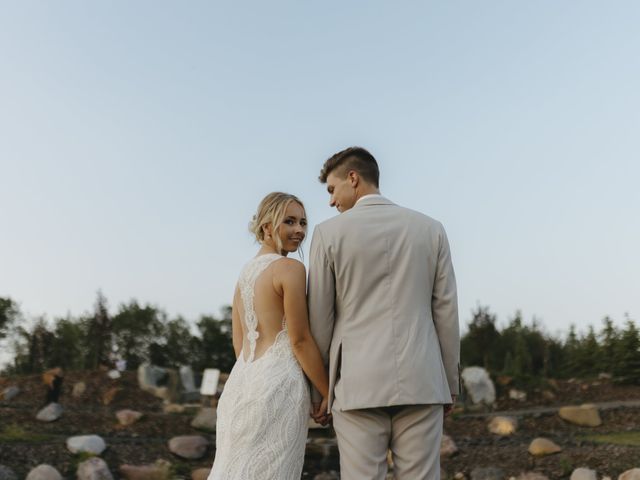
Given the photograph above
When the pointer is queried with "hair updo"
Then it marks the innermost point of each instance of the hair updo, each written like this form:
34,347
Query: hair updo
271,210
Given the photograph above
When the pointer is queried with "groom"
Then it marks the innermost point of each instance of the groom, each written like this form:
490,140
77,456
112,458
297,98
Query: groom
383,310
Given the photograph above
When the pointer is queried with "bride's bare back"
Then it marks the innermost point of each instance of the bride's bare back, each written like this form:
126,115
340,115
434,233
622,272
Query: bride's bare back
268,306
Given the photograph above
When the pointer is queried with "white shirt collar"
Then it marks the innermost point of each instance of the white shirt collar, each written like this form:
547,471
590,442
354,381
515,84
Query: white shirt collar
370,195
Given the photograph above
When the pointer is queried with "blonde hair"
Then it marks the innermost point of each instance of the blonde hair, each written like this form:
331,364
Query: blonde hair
271,211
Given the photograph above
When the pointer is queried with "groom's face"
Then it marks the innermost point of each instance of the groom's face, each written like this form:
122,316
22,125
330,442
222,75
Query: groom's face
341,190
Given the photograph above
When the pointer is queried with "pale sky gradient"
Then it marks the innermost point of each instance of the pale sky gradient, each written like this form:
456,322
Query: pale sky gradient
137,138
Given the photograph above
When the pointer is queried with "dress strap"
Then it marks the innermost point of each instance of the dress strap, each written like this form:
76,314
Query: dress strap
247,282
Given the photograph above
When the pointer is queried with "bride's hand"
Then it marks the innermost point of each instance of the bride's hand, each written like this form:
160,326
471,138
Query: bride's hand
320,414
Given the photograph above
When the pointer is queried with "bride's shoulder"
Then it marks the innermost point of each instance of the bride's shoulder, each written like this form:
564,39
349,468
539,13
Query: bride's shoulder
289,267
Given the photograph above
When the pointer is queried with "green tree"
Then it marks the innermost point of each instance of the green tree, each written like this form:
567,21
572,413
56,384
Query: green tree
215,342
482,345
98,327
627,354
135,329
69,344
609,338
9,313
177,346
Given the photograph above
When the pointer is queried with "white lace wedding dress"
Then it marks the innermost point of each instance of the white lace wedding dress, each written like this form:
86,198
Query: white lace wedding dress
263,412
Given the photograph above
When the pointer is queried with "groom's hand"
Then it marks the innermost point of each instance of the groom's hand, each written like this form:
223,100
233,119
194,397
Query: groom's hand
448,408
319,413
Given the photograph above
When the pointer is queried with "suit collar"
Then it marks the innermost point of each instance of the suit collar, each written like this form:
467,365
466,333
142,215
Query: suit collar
373,200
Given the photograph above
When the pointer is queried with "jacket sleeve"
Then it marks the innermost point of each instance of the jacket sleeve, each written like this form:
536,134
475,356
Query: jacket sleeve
321,298
444,308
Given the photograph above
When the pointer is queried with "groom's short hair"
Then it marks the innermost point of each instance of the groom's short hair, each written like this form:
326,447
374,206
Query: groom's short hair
352,158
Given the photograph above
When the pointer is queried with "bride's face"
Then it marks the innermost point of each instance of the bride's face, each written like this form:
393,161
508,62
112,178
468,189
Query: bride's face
293,228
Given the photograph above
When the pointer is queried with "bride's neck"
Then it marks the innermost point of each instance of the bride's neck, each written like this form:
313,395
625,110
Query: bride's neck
266,249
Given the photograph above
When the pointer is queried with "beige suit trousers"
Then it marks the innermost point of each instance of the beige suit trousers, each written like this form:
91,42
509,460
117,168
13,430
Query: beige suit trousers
412,432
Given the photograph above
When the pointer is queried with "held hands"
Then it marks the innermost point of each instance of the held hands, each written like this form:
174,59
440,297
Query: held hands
448,408
319,412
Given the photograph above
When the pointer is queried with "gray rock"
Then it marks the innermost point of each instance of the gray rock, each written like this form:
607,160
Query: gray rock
86,443
94,469
584,474
9,393
487,473
205,420
191,447
50,413
160,382
186,379
479,385
44,472
7,474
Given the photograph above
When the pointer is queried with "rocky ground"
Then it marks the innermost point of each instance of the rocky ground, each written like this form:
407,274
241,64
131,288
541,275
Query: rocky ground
26,442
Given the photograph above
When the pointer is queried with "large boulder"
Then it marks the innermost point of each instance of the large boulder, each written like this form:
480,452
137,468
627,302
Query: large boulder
160,382
44,472
50,413
86,443
205,420
191,447
584,415
7,474
479,385
503,426
583,474
94,468
633,474
543,446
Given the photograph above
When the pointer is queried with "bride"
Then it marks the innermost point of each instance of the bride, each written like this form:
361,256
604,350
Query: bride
263,412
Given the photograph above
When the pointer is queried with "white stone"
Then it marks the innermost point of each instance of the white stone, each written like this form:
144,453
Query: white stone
186,378
583,474
94,469
517,395
210,380
86,443
113,374
44,472
479,385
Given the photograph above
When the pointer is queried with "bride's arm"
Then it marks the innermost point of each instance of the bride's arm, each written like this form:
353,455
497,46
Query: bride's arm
236,325
292,279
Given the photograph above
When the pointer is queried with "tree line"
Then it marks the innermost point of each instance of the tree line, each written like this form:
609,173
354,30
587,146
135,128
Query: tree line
526,352
144,333
134,333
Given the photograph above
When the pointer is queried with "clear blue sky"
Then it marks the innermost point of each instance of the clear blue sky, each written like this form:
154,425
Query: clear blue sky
137,138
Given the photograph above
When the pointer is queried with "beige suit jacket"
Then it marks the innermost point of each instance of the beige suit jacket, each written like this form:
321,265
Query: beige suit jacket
383,306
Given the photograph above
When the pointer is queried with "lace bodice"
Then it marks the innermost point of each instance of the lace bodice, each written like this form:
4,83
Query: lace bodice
246,283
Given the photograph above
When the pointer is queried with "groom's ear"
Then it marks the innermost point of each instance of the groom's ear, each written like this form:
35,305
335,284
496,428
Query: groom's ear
353,178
